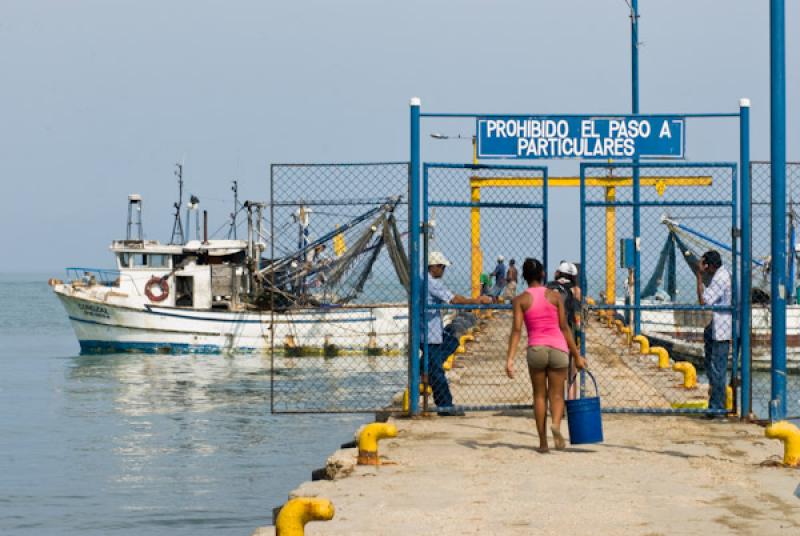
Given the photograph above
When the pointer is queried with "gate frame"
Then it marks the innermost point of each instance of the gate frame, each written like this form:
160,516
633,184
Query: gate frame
637,307
415,228
475,206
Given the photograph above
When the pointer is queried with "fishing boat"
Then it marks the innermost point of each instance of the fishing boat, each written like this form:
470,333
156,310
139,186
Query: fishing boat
218,295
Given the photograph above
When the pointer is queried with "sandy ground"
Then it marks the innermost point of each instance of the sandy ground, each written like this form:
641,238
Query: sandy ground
480,474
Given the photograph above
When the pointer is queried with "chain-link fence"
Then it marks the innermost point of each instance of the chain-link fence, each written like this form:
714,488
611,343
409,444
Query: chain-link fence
481,223
668,352
336,283
761,320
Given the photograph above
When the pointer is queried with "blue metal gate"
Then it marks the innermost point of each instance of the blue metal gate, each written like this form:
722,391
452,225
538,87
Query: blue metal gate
476,218
643,228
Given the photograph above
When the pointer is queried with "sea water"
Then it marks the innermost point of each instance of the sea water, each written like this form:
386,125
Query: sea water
134,444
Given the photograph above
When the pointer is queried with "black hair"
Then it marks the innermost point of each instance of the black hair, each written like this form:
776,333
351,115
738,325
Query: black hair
532,270
512,261
712,258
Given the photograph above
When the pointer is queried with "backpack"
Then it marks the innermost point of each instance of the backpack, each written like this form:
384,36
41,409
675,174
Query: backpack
571,305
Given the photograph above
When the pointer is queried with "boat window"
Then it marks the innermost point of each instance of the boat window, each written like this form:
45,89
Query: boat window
124,260
158,261
139,260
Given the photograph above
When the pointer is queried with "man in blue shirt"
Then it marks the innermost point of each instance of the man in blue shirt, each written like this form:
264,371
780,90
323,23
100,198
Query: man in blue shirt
499,275
441,344
718,334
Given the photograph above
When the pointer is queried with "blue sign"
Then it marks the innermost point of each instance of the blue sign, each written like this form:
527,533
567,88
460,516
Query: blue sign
584,137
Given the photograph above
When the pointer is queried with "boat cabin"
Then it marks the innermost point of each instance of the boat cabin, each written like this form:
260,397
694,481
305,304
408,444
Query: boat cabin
197,275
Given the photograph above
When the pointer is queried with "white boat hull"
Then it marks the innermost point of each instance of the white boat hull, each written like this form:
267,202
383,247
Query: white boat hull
101,325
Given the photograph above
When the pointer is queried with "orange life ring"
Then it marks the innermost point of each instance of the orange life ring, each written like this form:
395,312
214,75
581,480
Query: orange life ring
161,283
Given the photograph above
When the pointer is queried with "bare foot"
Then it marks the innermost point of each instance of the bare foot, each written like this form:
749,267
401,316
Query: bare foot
543,450
561,443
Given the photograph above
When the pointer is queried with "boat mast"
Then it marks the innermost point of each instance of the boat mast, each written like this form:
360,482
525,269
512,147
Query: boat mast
232,229
177,226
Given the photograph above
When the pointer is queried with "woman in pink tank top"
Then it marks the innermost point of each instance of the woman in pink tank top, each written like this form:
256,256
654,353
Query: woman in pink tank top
549,341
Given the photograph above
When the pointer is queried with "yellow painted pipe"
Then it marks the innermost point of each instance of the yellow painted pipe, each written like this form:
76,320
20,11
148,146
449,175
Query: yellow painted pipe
663,356
628,334
729,398
405,400
475,240
297,512
619,325
590,301
689,373
611,246
790,435
448,364
368,441
644,344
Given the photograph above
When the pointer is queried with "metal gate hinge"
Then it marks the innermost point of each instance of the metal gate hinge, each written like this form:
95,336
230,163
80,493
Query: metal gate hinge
736,232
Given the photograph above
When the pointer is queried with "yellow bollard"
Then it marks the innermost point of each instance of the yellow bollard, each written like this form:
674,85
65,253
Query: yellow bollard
297,512
644,344
368,441
627,332
790,435
663,356
619,325
590,301
405,400
729,398
448,364
689,373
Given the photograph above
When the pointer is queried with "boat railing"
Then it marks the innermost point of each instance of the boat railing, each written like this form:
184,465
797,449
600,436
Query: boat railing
99,276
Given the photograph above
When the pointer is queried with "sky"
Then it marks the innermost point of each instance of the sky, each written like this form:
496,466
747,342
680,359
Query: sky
101,98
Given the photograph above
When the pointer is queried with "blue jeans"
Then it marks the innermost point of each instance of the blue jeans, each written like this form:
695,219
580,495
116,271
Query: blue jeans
716,363
437,355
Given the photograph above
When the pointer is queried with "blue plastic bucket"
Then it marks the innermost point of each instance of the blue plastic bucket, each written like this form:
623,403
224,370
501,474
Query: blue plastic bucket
584,419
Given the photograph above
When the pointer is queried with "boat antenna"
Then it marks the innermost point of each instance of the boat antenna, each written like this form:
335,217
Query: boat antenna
177,226
235,190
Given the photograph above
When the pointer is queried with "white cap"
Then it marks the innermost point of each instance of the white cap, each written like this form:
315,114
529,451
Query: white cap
500,258
437,257
567,268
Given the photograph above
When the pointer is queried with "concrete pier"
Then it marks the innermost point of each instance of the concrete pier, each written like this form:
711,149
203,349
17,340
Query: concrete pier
481,474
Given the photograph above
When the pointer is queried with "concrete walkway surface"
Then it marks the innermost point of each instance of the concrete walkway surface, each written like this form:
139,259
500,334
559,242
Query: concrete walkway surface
480,474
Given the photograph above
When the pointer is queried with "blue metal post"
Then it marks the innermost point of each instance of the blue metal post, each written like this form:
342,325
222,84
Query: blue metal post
777,69
584,264
635,55
636,193
745,304
415,294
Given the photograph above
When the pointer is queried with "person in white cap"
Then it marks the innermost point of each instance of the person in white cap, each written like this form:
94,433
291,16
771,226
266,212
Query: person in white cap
440,346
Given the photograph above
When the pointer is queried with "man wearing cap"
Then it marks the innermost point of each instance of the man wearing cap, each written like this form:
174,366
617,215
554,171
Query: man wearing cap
440,346
717,335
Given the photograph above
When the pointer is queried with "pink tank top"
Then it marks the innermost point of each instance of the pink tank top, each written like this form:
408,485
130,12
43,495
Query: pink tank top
541,319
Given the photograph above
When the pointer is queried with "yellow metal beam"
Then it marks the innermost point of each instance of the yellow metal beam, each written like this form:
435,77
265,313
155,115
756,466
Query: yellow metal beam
566,182
609,183
611,246
475,240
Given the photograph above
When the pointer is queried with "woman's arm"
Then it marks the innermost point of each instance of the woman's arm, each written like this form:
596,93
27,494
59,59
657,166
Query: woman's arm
565,329
516,330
